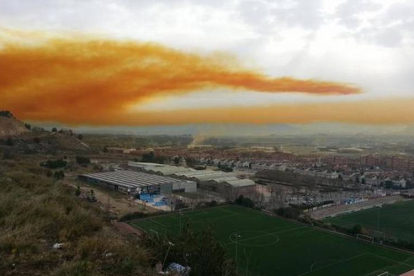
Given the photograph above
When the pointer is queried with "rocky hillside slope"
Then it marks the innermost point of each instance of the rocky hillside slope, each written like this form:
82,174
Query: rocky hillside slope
10,126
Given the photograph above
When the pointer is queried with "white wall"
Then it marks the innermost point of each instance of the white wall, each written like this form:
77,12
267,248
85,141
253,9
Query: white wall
189,186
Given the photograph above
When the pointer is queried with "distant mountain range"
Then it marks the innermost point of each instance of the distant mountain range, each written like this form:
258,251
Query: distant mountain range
249,130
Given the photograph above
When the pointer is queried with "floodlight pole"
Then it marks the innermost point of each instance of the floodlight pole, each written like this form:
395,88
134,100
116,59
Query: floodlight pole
236,236
180,214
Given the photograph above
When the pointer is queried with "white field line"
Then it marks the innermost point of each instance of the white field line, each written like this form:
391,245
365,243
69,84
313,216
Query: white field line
156,222
268,234
339,262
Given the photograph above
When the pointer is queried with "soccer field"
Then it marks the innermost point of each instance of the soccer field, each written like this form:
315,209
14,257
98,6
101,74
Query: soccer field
396,220
272,246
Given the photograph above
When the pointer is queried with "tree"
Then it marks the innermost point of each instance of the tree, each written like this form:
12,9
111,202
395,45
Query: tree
105,149
78,191
389,184
148,157
6,114
28,126
191,162
244,201
54,164
54,129
288,212
176,160
80,136
9,142
357,229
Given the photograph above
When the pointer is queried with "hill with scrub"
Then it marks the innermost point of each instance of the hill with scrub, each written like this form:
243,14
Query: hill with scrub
10,126
24,138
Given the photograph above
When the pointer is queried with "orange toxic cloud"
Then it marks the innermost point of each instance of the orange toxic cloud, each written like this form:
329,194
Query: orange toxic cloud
380,112
78,80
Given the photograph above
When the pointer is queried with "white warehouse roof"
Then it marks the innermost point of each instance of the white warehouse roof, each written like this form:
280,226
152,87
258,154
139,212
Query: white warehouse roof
131,179
240,182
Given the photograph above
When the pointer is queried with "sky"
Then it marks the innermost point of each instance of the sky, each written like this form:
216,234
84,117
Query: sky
175,62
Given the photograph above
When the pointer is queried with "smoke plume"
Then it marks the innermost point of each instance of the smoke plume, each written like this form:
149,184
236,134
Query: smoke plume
78,80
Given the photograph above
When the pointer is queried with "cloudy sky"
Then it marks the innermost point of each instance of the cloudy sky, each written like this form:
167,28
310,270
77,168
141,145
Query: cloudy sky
366,44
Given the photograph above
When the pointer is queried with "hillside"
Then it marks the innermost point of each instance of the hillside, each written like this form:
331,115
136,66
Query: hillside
36,213
23,138
10,126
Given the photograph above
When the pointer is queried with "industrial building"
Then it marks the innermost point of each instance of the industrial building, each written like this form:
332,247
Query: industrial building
133,182
227,184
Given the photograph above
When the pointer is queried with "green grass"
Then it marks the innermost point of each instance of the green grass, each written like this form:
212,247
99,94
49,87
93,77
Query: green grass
272,246
395,220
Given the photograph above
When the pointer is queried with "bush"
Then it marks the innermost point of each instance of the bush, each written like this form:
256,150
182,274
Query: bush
6,114
212,203
288,212
132,216
81,160
8,154
54,164
152,158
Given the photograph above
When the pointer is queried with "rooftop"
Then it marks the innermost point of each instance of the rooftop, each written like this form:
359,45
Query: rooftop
131,179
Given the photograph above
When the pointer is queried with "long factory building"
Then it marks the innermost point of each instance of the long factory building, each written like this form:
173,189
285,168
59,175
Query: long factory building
225,183
139,182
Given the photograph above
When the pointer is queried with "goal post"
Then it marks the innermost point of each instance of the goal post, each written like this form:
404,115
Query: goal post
377,234
383,274
184,210
365,238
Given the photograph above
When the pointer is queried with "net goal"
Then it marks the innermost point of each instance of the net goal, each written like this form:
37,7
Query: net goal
377,234
184,210
365,238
